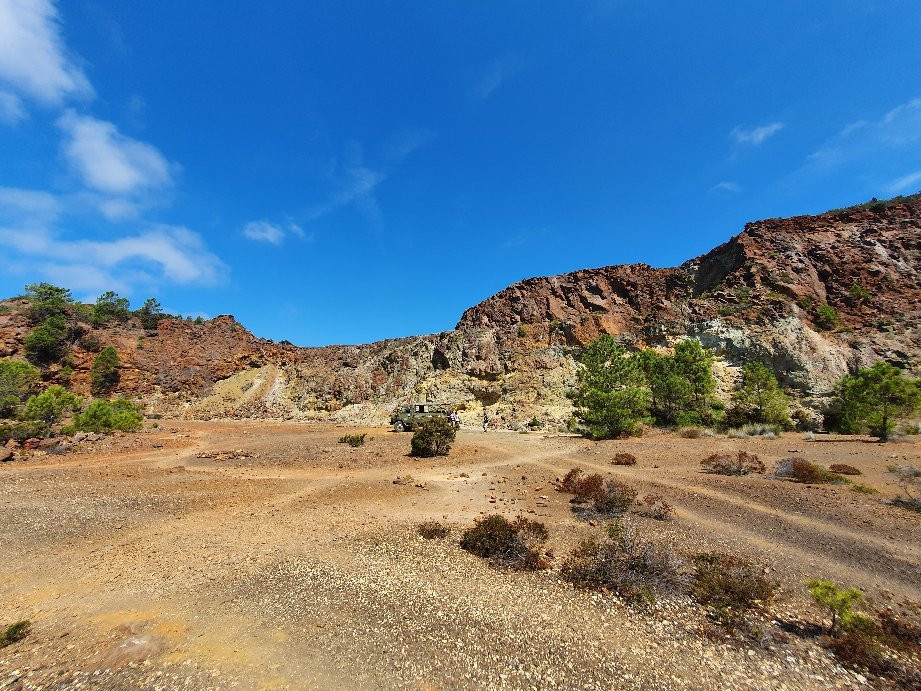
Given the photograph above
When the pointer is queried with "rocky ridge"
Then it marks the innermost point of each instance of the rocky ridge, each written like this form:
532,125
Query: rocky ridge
758,296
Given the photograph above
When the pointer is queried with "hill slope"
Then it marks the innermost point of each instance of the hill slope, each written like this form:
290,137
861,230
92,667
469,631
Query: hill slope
761,295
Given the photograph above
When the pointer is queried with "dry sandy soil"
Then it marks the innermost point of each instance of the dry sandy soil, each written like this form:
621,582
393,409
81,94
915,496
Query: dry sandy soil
149,561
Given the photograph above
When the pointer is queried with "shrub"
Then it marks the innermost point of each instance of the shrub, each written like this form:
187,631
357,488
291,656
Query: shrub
433,530
353,440
909,479
570,480
624,458
20,431
864,489
741,463
46,300
49,406
46,342
514,545
839,603
801,470
150,314
737,433
859,294
103,417
873,398
432,437
18,380
633,568
656,507
730,585
90,342
588,488
15,632
110,307
761,429
522,331
610,398
759,399
690,432
844,469
826,317
614,498
106,371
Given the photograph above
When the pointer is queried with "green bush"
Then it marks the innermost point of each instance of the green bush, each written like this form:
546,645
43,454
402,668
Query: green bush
826,317
107,416
15,632
20,431
18,380
515,544
46,343
759,399
873,399
839,603
432,437
110,307
106,371
859,294
611,398
50,405
46,300
352,439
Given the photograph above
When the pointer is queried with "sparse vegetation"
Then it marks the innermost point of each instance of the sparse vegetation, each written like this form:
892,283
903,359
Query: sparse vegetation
844,469
353,440
624,458
873,399
432,437
826,317
46,301
433,530
150,314
15,632
633,568
20,431
46,343
730,585
106,371
741,463
655,506
858,294
909,479
863,489
516,544
614,498
801,470
103,417
111,308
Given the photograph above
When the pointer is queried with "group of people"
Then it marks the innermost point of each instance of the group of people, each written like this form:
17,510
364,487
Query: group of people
454,419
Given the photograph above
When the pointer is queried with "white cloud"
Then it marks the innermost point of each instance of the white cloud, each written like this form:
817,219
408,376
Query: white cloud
31,207
32,56
495,75
161,252
274,233
906,183
407,140
355,183
11,110
726,187
110,162
755,136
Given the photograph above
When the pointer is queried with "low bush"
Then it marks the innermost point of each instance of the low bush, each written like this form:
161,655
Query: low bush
760,429
588,487
864,489
50,405
736,433
614,498
635,569
801,470
20,431
433,530
517,544
742,463
103,416
730,585
624,458
844,469
909,479
690,432
570,480
839,602
432,437
15,632
353,439
655,506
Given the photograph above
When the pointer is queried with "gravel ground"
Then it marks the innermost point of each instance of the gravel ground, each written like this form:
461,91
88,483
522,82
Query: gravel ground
265,555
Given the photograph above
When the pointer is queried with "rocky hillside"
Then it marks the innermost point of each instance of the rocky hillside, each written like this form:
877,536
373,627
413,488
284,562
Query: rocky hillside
812,296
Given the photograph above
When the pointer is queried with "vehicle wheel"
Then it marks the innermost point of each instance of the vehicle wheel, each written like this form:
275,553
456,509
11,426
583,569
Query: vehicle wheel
398,426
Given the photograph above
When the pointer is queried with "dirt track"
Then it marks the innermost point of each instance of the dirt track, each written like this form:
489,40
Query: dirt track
296,565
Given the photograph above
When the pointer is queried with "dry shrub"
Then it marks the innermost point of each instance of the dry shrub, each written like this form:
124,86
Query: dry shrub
353,439
844,469
614,498
741,463
633,568
570,480
433,530
690,432
801,470
656,507
730,585
588,488
624,458
515,545
15,632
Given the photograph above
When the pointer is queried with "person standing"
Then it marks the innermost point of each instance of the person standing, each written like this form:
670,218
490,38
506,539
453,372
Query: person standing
485,421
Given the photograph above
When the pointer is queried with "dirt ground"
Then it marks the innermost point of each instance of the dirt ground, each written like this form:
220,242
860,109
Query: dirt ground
246,554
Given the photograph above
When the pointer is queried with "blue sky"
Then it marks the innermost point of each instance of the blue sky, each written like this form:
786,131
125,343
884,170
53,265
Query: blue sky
341,172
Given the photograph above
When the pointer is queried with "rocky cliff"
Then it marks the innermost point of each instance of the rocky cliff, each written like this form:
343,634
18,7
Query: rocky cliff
812,296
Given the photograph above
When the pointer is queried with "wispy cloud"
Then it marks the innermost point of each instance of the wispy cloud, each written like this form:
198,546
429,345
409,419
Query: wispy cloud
11,109
407,140
906,183
33,59
274,233
496,73
755,136
726,187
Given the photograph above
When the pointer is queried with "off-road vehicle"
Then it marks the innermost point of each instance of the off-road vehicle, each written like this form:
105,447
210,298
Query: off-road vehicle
411,414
